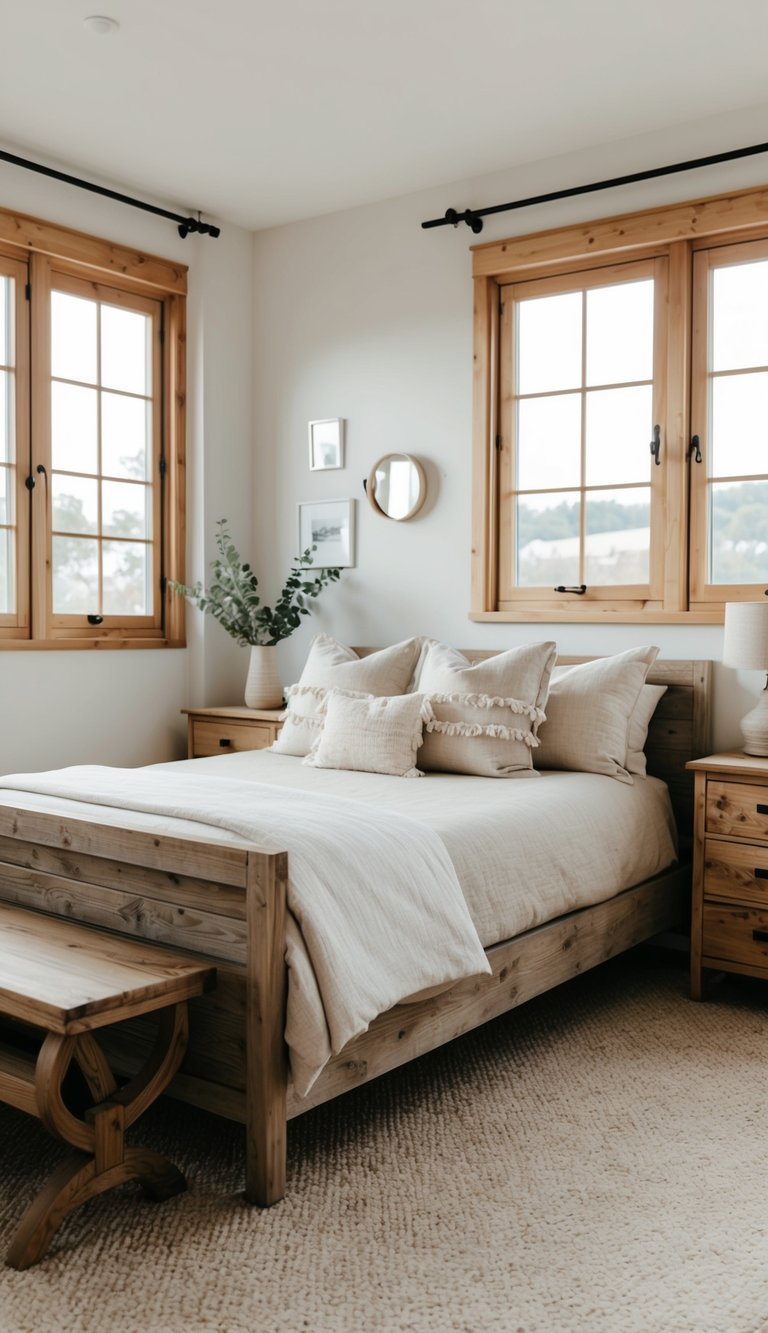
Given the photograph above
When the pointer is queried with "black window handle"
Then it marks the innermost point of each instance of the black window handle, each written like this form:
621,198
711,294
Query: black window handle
579,589
656,444
694,449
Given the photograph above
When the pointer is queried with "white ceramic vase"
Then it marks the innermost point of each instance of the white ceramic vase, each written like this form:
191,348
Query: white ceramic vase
262,685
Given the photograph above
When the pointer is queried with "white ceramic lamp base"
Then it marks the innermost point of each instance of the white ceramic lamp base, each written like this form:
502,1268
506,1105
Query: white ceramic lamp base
754,727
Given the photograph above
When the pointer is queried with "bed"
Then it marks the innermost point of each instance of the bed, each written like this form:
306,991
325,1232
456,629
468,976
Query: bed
216,896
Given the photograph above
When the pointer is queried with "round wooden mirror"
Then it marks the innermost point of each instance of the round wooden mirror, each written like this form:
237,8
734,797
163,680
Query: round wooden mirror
397,486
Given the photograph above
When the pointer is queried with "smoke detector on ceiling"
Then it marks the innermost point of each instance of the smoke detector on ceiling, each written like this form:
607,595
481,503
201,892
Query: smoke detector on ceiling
100,25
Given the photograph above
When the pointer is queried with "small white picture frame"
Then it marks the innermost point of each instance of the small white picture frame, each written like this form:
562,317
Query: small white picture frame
328,525
326,444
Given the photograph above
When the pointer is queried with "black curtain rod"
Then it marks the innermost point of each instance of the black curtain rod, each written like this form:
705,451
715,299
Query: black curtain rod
186,225
474,216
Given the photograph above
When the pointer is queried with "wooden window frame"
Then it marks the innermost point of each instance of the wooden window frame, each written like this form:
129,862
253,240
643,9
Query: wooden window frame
676,232
40,250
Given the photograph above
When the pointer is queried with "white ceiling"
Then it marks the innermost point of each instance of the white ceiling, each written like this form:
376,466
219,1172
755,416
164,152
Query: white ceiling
262,113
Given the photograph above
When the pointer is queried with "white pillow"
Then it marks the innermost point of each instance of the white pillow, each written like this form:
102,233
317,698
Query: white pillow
485,714
370,735
588,714
331,665
638,727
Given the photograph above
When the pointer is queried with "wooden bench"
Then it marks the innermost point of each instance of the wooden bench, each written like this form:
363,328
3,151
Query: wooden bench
68,980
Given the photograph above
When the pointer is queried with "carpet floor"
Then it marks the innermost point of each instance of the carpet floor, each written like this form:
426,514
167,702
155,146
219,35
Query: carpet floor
597,1160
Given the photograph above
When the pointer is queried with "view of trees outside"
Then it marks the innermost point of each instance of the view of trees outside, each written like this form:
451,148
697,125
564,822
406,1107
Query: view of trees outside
102,493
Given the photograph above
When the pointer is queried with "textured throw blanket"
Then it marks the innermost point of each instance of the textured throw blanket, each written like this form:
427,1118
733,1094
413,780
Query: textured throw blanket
376,912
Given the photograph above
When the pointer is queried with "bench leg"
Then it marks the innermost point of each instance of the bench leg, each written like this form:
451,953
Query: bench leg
103,1160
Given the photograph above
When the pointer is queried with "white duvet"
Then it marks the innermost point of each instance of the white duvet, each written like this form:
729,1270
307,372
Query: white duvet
376,909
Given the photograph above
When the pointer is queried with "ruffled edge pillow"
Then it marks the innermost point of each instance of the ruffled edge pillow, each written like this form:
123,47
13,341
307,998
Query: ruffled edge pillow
332,665
486,714
370,734
588,714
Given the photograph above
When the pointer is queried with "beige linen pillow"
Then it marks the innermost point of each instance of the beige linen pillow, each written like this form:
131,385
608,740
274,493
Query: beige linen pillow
485,714
331,665
370,735
638,727
588,714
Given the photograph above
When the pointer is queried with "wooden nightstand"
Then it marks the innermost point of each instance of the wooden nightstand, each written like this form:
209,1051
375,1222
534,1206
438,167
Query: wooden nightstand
729,920
225,730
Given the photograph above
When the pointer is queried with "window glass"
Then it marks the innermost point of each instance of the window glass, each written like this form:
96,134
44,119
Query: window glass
574,445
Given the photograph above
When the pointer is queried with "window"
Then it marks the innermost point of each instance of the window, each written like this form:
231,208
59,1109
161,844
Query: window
621,417
91,441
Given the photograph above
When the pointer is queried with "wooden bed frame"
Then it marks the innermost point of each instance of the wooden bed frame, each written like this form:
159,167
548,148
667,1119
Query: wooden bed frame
226,904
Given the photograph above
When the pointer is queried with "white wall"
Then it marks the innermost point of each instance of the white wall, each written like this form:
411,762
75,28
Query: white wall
122,707
366,316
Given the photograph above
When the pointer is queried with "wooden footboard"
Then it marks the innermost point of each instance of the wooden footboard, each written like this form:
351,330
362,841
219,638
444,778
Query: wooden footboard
223,902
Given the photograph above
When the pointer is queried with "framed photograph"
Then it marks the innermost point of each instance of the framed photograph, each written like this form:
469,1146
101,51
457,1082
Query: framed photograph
326,444
330,526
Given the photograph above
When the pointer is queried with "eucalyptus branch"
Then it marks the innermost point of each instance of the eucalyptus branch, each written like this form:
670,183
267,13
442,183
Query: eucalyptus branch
233,597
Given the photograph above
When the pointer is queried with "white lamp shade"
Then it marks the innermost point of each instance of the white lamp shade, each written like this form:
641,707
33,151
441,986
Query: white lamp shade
745,642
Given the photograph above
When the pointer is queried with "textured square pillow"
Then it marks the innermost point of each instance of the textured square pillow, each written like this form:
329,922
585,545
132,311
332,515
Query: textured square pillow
588,714
330,665
370,735
638,727
485,714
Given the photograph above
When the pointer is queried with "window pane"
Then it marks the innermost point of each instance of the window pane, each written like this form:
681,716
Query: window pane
739,532
7,581
125,509
547,540
618,533
127,576
125,435
740,316
7,422
549,343
75,576
75,504
739,425
619,430
6,495
73,338
620,333
125,350
7,290
549,442
74,437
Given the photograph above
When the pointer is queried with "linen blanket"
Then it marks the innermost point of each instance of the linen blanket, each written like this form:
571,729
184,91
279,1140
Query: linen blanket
376,912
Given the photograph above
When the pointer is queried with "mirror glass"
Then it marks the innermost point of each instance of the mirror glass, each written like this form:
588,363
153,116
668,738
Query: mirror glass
397,486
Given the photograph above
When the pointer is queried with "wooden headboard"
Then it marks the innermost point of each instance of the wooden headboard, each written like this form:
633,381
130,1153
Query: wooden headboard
680,728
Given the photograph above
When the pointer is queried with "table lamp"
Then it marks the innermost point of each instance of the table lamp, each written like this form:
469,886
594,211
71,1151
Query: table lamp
745,645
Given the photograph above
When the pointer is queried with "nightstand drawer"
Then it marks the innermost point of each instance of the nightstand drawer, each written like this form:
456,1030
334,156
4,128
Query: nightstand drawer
735,871
737,809
226,737
735,935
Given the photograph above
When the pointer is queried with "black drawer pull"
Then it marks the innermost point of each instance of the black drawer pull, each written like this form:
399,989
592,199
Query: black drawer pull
760,873
225,742
762,809
761,935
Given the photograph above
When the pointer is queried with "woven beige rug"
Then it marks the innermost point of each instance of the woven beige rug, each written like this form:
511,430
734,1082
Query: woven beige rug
596,1161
